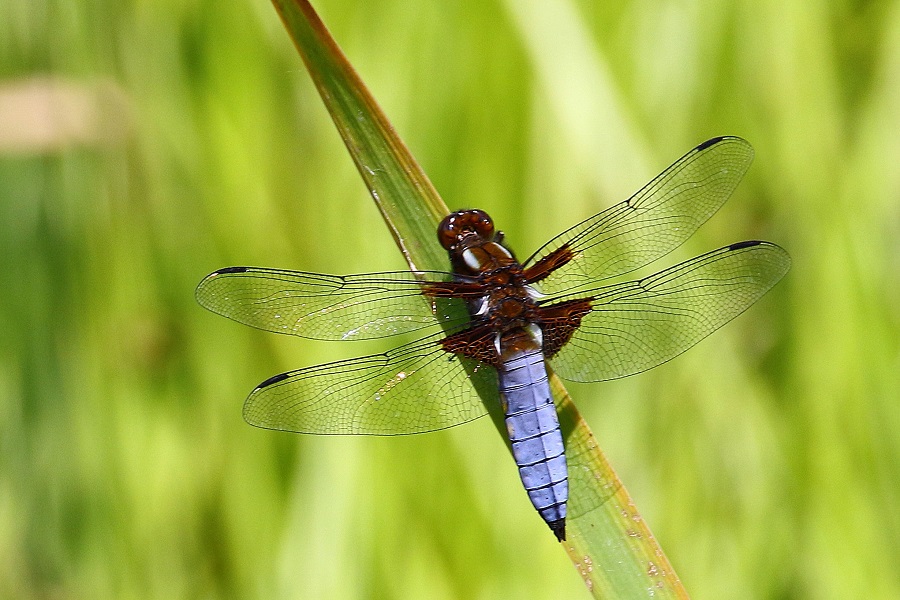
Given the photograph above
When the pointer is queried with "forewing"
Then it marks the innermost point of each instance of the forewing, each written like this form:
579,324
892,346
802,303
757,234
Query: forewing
650,224
415,388
641,324
329,307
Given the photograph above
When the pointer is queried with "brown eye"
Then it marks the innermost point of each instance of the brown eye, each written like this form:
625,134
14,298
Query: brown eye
483,224
447,231
461,223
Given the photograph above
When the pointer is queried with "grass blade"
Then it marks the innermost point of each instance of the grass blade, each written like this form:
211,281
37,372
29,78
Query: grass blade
610,545
410,205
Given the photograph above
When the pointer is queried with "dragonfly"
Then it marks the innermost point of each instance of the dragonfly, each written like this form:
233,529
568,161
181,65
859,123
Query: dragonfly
491,325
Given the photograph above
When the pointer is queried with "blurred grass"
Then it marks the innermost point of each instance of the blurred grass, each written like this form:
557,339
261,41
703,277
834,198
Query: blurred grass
766,460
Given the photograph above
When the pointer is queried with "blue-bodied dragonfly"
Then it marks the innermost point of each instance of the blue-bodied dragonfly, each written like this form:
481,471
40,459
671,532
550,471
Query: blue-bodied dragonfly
498,322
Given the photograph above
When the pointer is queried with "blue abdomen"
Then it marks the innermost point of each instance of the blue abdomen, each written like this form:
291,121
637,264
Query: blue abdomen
533,428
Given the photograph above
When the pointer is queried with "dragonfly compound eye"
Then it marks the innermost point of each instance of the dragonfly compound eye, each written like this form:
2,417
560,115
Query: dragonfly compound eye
462,223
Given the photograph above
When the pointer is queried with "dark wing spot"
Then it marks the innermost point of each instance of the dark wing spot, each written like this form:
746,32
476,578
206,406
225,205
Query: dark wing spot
710,142
231,270
273,379
747,244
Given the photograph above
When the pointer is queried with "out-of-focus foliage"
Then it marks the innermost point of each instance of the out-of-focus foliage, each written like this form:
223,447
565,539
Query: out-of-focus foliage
145,144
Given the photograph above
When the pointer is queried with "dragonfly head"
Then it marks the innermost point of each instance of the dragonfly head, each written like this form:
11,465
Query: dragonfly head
462,224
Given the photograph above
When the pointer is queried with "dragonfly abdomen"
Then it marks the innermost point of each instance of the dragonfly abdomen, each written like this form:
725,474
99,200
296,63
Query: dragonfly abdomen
533,428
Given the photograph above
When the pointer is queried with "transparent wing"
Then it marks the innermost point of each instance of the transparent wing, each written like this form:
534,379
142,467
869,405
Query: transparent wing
638,325
415,388
650,224
328,307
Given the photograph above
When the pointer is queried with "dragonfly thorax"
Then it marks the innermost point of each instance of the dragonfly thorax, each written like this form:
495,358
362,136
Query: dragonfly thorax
509,303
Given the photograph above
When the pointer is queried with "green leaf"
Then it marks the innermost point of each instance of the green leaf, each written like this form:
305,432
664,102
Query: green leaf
410,205
608,542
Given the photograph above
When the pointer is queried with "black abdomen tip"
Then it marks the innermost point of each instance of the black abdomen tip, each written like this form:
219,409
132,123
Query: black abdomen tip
558,528
272,379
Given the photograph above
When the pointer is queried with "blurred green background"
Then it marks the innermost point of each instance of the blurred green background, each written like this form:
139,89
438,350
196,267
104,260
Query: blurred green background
144,144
